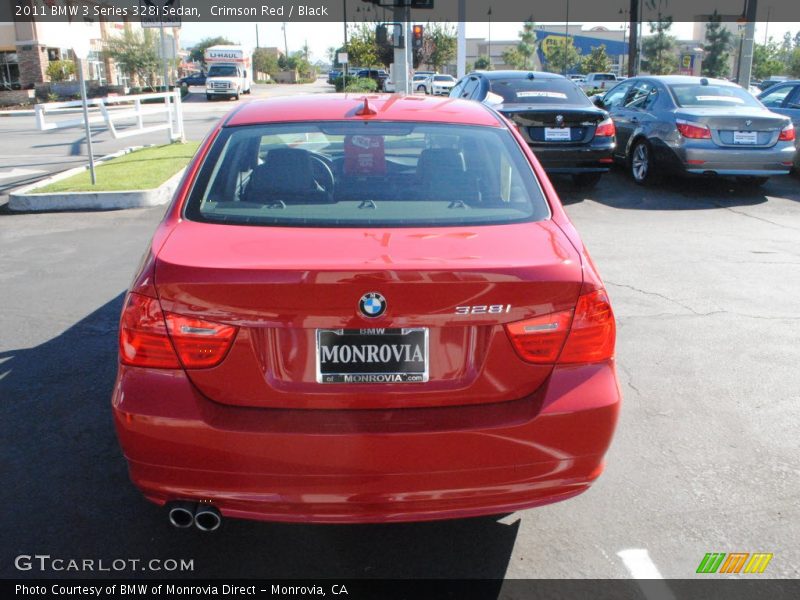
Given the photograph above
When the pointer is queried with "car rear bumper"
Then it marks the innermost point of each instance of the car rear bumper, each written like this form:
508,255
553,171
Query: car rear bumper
696,160
366,465
594,158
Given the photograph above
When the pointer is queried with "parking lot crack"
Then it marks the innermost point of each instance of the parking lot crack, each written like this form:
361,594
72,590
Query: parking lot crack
662,296
744,214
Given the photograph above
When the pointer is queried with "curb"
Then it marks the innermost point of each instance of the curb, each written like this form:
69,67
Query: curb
22,200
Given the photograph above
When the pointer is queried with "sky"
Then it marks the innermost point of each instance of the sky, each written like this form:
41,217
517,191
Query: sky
321,36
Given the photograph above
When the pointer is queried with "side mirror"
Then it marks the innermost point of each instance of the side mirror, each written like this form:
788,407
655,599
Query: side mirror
597,100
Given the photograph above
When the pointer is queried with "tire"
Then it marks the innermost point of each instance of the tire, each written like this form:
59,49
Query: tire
236,96
641,164
586,181
209,97
422,88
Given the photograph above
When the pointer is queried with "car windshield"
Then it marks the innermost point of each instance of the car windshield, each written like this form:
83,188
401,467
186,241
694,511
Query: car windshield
697,95
377,174
538,91
222,71
444,78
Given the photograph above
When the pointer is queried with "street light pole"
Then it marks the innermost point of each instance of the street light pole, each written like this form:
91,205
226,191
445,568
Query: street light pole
347,64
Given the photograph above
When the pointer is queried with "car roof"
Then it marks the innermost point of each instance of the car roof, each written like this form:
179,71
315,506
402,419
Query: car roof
342,107
509,74
676,79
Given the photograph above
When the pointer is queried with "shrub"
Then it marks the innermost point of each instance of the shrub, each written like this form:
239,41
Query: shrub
60,70
361,85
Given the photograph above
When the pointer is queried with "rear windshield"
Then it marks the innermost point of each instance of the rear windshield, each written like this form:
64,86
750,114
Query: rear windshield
538,91
220,71
696,95
373,174
604,77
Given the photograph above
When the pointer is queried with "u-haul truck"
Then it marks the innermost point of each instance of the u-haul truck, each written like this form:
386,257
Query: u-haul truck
230,71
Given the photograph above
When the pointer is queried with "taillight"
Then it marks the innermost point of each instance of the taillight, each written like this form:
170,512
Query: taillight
787,133
605,129
143,339
149,338
694,131
551,338
539,340
593,332
200,344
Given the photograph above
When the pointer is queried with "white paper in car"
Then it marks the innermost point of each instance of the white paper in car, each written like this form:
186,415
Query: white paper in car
542,94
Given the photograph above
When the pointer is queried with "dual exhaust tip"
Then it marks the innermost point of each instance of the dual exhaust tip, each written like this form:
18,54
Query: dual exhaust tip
205,517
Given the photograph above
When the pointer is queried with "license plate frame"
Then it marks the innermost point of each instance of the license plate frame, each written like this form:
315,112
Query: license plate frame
557,134
745,138
367,371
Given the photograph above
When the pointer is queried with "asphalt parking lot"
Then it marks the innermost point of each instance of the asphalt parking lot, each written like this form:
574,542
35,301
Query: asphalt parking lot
705,281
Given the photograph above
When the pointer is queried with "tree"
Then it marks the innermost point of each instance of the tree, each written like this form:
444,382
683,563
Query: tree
136,53
438,47
483,62
60,70
561,55
527,43
199,50
513,58
794,63
766,60
597,61
362,50
265,61
715,61
658,57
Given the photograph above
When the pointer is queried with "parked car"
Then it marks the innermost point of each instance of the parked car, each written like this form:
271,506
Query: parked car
784,99
333,75
438,84
194,78
696,126
377,75
568,134
577,78
419,82
774,80
599,81
397,322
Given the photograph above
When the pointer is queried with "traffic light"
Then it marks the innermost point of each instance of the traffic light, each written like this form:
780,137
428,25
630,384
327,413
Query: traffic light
416,35
381,35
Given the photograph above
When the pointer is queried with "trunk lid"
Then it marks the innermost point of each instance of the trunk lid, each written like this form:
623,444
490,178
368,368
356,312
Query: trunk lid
761,128
279,285
549,125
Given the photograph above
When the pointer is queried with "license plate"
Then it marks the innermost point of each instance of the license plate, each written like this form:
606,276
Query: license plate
745,137
557,134
372,355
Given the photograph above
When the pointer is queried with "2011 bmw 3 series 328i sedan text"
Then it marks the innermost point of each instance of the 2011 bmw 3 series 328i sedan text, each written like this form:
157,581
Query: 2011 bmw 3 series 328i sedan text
364,309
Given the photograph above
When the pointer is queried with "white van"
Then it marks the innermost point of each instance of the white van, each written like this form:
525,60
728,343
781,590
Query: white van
230,71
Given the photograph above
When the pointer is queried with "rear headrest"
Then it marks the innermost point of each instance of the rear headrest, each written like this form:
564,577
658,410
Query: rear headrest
285,171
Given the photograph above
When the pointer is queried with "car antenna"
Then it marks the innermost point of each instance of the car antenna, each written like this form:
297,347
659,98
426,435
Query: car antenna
530,75
704,81
366,109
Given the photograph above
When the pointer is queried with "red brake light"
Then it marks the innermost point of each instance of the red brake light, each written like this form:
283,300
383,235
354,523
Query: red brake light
539,340
593,332
787,133
143,339
605,129
694,131
200,344
149,338
550,338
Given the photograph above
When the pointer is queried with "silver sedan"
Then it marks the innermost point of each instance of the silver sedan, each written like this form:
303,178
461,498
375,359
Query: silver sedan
697,126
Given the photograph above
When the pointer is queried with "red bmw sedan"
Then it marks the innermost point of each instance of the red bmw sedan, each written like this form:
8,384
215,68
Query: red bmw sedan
364,309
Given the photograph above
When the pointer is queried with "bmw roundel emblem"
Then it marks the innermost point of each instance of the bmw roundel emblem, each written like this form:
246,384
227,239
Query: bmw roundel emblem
372,305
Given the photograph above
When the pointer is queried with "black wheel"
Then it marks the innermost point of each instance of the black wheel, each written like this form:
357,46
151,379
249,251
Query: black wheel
753,181
422,88
642,165
236,96
586,181
208,97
